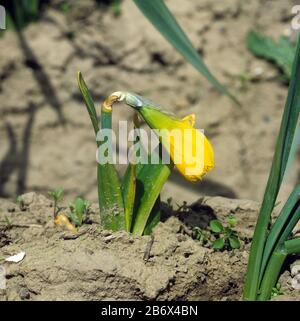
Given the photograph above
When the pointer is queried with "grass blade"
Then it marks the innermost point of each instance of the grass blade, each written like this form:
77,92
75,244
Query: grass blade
163,20
280,159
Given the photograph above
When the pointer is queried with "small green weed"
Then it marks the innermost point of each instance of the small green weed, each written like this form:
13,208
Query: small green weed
226,237
56,195
79,210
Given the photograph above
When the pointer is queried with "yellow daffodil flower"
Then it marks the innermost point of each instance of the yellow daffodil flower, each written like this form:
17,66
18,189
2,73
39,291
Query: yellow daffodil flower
189,149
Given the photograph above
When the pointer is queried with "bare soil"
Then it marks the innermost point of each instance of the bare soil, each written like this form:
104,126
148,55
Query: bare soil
95,264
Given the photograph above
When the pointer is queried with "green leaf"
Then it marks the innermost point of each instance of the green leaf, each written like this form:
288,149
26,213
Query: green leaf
88,102
219,244
283,226
7,221
216,226
281,53
128,190
280,159
23,12
292,246
234,242
78,210
75,219
154,218
80,206
150,180
57,194
232,221
272,273
163,20
109,188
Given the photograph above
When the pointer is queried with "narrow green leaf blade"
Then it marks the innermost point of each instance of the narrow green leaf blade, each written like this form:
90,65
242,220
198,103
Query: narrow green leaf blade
88,102
293,246
280,159
154,217
272,273
79,206
281,227
162,19
150,181
109,188
31,6
129,190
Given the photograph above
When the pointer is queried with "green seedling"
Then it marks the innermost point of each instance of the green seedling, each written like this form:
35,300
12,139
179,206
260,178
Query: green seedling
21,203
79,210
202,236
276,290
56,196
232,221
8,222
226,238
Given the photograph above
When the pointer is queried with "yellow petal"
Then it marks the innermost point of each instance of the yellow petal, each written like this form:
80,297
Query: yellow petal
190,151
193,156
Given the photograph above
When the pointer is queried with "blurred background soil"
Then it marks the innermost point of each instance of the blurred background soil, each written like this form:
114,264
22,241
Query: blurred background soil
46,136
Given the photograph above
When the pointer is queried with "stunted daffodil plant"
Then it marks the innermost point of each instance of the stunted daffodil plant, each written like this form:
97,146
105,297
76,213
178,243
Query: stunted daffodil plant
133,203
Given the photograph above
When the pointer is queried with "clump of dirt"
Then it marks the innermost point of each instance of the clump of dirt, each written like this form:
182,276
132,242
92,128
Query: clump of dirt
96,264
